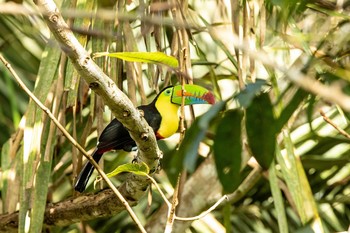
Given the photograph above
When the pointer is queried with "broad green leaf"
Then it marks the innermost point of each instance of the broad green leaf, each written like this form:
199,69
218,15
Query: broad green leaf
147,57
227,150
195,135
261,129
139,169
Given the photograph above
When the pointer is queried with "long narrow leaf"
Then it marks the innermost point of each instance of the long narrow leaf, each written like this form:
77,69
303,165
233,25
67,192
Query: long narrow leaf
278,200
299,186
34,187
147,57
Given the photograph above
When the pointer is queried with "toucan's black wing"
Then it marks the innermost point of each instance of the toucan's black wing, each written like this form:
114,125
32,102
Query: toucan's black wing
115,137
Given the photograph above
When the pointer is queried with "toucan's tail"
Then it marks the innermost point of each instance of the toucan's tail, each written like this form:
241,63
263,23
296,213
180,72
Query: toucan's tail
86,172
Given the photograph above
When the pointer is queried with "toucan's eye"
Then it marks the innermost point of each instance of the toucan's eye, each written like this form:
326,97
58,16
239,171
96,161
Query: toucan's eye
168,92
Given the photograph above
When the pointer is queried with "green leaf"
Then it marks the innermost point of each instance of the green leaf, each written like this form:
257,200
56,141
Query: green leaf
137,168
228,149
36,171
195,135
5,166
186,156
147,57
246,96
278,200
261,130
297,182
226,212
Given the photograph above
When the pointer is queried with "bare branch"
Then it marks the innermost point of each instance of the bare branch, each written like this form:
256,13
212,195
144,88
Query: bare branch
329,121
202,215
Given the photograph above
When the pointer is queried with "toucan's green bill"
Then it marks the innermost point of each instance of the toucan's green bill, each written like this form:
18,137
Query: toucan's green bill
193,94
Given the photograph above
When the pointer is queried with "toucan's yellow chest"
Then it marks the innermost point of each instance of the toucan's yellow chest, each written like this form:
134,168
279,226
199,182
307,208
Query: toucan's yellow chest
170,119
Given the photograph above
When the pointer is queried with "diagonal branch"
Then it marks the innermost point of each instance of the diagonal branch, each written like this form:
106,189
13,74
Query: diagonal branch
124,111
74,142
117,101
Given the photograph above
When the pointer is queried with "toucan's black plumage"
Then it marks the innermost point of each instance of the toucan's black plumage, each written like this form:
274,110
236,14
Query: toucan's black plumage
163,108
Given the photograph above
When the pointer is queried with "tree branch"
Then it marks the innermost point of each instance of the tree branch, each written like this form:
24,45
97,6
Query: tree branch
201,188
82,208
89,207
74,142
116,100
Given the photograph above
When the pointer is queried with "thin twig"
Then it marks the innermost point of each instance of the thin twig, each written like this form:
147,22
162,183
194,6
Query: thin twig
247,184
171,211
159,190
223,198
72,140
213,207
329,121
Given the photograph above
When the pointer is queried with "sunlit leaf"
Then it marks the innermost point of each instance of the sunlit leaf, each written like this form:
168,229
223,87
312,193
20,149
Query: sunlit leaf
147,57
298,184
137,168
39,131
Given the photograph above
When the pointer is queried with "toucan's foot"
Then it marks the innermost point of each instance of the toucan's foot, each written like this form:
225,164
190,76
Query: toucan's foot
136,159
157,168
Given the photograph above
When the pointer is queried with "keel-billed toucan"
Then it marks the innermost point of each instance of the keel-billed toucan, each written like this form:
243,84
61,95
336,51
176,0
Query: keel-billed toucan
161,115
